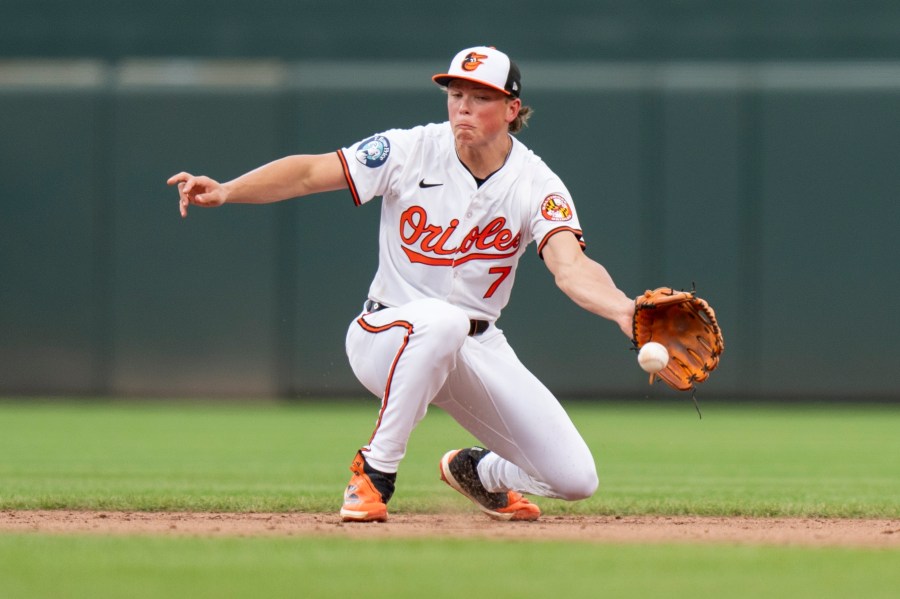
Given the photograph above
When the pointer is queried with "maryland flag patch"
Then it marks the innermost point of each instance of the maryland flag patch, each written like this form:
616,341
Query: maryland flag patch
556,208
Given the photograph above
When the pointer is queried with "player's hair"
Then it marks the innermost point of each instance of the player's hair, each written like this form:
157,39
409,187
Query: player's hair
521,120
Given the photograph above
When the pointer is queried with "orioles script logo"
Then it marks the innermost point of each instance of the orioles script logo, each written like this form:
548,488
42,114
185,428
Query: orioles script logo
428,243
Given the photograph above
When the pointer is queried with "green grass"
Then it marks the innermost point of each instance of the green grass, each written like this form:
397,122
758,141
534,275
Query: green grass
745,459
99,567
653,458
748,460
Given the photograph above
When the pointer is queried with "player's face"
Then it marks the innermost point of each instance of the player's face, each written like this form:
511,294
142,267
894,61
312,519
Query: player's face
479,114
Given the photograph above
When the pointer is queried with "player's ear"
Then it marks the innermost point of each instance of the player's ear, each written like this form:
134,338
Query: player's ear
512,109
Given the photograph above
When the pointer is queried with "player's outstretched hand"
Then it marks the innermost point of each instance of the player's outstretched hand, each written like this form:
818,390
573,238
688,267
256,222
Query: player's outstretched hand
199,191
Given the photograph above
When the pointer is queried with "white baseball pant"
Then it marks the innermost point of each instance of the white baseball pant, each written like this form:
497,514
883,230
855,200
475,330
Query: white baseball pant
420,354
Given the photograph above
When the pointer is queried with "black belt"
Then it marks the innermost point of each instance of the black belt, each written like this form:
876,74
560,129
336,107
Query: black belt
476,327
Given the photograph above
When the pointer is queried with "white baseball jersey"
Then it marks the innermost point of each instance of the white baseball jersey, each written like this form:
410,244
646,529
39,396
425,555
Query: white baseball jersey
441,235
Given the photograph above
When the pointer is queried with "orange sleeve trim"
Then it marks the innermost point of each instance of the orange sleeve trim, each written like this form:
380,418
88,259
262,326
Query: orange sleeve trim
349,178
576,232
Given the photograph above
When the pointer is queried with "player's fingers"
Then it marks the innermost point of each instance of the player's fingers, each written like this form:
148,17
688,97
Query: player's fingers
205,200
189,184
183,201
195,186
179,178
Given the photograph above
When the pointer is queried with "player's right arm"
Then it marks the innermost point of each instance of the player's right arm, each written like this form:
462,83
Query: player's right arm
282,179
587,282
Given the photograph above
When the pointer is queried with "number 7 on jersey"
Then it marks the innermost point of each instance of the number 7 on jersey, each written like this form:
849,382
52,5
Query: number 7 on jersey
503,271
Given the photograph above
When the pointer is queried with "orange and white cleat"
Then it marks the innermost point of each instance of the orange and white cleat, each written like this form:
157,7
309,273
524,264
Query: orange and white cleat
367,493
459,469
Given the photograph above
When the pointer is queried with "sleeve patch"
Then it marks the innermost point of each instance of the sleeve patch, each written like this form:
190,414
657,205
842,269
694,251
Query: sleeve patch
556,208
374,151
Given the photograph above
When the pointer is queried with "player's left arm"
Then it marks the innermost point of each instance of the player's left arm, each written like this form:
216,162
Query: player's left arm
282,179
587,282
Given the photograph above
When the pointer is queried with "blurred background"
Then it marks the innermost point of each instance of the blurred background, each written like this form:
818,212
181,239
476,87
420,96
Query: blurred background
745,147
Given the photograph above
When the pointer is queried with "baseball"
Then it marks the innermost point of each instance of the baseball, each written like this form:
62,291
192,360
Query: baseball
653,357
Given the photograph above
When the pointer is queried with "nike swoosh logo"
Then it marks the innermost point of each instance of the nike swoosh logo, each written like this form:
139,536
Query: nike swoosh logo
425,185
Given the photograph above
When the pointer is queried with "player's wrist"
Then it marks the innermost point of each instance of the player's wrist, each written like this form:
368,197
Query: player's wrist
226,191
625,316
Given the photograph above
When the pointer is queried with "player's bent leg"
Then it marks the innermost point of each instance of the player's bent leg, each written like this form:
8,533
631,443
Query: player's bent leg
403,356
377,340
573,482
536,447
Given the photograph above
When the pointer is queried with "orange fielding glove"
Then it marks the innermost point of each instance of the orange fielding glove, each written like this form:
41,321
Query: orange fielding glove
686,326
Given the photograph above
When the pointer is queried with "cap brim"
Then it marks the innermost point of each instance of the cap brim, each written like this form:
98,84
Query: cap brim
444,80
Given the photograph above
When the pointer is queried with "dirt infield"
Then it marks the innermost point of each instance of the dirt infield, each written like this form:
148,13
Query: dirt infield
603,529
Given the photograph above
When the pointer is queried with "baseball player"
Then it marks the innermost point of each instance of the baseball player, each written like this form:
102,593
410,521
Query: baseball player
461,202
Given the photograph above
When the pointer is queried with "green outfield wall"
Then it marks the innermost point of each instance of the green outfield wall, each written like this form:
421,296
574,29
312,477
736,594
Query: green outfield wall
645,30
772,186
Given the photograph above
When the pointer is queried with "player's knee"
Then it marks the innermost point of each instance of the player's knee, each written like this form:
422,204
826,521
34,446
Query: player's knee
579,484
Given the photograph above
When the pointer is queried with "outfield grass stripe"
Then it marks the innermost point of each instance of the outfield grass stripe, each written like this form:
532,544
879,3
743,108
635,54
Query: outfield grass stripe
765,460
34,566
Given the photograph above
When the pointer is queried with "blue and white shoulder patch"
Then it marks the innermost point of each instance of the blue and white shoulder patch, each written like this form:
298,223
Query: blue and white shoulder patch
374,151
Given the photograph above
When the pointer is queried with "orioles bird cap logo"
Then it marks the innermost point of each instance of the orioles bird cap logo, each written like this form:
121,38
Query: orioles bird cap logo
472,61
